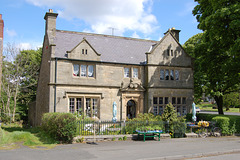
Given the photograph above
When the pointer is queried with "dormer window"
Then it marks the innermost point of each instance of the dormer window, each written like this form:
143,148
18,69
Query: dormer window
126,72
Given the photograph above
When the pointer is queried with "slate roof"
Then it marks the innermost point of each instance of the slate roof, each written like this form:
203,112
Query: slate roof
112,48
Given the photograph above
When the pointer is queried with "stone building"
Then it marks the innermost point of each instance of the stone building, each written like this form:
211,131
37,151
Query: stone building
86,73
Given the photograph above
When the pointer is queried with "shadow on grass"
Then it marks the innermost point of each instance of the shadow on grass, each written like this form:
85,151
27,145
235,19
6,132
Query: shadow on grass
36,133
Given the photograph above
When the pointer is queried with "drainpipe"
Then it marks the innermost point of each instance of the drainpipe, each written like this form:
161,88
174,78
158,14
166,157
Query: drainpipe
55,86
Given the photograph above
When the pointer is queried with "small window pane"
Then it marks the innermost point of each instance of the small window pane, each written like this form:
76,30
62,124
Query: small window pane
85,51
184,110
179,110
160,100
161,74
160,110
90,71
79,105
88,107
82,51
135,72
177,75
168,52
155,110
71,105
172,74
183,100
95,109
76,70
171,52
173,100
126,72
166,100
83,70
167,74
179,100
155,99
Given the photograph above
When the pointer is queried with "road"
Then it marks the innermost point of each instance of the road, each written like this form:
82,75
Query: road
177,148
225,113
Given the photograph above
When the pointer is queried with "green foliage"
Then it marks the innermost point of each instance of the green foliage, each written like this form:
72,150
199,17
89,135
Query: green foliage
217,50
231,100
120,138
169,113
114,139
80,140
223,123
61,126
125,138
208,117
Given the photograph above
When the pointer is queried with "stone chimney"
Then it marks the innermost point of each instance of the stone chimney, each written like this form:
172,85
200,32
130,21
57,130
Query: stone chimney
50,28
1,26
174,32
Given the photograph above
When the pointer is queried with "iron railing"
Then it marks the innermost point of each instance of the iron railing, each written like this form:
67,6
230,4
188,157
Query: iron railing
87,127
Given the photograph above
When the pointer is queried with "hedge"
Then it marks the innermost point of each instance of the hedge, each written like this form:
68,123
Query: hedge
60,126
234,120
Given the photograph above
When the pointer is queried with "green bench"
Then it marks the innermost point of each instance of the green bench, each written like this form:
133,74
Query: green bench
149,134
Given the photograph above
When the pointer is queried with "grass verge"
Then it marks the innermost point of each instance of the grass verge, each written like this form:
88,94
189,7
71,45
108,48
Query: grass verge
209,107
13,136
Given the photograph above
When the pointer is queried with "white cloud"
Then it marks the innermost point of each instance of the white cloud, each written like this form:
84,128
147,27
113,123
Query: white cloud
11,33
28,46
135,35
124,15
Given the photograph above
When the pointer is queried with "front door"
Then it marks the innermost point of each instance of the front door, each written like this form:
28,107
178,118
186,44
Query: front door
131,109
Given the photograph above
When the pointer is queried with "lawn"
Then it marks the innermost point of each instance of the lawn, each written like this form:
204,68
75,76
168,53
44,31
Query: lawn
12,136
209,107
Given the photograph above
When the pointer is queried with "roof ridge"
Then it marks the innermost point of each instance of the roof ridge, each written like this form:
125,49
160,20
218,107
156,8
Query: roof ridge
104,35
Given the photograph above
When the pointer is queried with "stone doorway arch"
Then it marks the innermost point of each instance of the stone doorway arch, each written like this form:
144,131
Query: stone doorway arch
131,109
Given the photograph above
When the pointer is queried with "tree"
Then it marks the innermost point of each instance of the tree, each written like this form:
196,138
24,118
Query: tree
218,53
20,72
231,100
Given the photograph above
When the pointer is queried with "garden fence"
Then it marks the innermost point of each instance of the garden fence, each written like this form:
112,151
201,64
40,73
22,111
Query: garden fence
87,127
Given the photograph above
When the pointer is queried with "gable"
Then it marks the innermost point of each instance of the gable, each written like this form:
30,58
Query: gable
169,52
84,51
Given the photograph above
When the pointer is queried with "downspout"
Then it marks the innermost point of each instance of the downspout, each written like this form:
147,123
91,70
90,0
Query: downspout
55,86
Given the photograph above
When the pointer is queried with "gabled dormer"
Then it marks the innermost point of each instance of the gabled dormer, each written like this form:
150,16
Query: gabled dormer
84,51
169,51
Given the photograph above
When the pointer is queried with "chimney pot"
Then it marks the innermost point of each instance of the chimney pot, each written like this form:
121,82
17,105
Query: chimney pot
51,10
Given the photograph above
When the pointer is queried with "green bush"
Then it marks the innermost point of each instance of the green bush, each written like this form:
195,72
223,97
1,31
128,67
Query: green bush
60,126
223,123
208,117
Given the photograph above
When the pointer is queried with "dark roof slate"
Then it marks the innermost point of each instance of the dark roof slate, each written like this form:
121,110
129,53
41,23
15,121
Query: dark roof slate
112,48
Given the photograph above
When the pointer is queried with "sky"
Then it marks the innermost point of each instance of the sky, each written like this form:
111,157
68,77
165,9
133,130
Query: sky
24,23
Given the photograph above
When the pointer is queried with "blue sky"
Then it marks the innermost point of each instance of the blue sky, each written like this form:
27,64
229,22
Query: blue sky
24,22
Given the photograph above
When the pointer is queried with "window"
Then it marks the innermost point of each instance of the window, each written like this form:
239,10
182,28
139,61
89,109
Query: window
92,107
76,70
173,100
90,70
83,70
181,105
166,74
158,105
171,52
168,52
176,75
126,72
178,100
184,110
84,50
135,72
161,74
166,100
75,105
171,74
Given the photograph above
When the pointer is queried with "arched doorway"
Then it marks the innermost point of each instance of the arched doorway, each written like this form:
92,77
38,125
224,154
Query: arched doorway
131,109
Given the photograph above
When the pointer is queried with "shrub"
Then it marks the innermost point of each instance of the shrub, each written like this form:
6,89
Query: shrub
125,138
60,126
223,123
